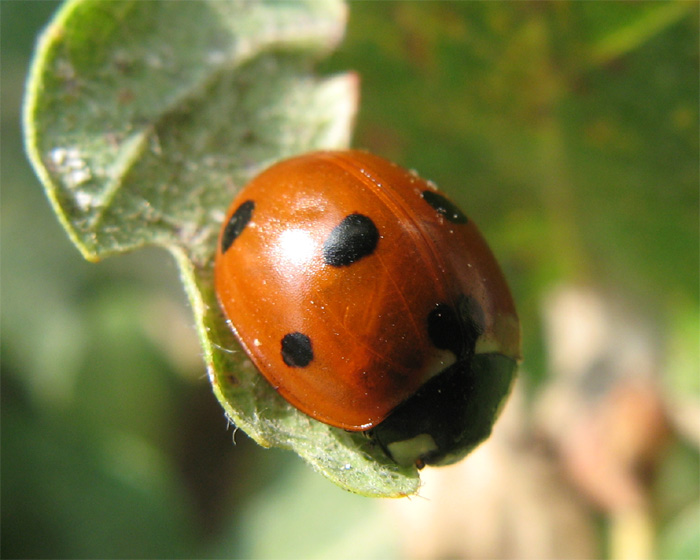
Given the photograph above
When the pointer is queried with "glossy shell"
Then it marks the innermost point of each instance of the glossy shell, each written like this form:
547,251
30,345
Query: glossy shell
339,271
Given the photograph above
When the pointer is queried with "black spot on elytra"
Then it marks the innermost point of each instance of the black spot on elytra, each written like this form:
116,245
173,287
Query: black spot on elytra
236,224
456,330
472,315
444,207
445,329
353,238
297,350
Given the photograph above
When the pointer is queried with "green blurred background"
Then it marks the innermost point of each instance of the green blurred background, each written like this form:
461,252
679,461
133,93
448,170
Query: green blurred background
569,133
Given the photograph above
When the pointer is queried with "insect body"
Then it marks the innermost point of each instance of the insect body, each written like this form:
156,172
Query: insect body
370,302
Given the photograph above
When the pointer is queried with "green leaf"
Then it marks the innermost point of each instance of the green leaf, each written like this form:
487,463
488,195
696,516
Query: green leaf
143,119
622,36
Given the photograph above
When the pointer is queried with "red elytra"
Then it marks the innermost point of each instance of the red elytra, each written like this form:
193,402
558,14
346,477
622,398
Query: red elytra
330,264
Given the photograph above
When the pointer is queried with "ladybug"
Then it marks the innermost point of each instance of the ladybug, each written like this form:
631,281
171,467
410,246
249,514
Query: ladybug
370,302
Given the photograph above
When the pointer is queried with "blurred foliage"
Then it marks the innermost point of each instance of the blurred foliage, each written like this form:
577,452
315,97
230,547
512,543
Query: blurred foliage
567,130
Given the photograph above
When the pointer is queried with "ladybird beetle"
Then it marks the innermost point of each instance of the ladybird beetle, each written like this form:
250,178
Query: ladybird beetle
370,302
